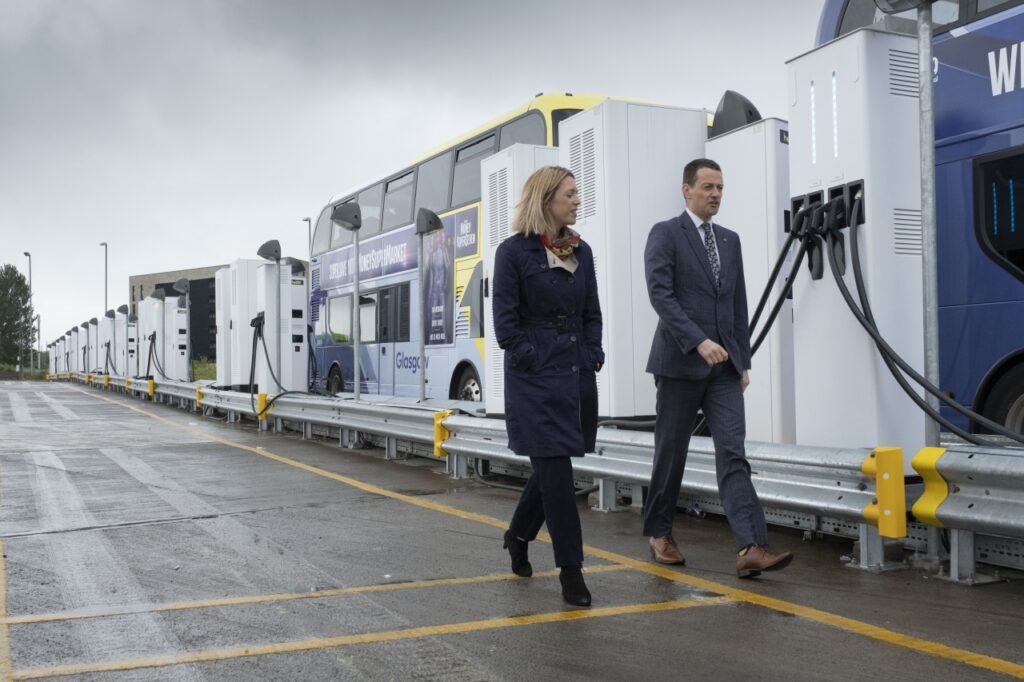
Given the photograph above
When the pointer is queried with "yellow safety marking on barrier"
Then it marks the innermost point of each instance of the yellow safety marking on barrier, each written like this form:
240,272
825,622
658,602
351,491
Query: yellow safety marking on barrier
261,406
848,624
936,490
199,397
294,596
151,388
440,433
888,511
366,638
106,381
5,638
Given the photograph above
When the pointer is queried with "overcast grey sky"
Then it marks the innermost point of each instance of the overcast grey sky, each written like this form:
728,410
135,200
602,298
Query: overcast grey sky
186,133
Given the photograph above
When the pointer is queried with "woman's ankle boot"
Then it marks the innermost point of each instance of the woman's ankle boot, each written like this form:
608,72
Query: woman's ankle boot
574,590
517,550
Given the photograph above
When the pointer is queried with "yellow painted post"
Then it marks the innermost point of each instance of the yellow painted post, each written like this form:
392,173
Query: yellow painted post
441,434
151,388
261,406
888,510
106,381
127,384
936,490
199,397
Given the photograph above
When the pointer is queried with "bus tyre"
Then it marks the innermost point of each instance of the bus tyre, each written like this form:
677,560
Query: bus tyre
469,386
1005,403
334,382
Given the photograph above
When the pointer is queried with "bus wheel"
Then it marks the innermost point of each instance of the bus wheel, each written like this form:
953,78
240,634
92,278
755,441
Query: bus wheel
334,381
469,386
1005,404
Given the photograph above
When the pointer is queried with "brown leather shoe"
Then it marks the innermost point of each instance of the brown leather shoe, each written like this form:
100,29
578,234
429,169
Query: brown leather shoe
665,551
759,559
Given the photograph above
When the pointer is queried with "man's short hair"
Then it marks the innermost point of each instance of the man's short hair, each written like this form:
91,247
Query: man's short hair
690,171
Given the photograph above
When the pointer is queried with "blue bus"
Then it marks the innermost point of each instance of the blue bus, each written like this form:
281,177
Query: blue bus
978,66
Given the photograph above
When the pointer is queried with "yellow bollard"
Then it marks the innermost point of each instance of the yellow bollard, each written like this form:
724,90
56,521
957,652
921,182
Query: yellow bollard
106,381
151,388
888,510
199,397
441,434
261,406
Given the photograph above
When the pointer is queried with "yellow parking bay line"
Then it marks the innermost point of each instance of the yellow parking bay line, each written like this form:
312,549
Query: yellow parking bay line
5,641
892,637
130,609
365,638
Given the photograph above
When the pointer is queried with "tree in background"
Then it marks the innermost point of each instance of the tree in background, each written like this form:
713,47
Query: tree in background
17,333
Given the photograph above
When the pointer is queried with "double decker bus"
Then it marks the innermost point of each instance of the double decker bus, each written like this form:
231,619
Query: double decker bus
978,76
391,320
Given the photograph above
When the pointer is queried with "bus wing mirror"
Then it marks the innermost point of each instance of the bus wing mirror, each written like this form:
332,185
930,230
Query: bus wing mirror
347,216
427,221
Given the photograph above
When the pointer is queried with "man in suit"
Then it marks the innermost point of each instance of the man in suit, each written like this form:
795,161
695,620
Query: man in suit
700,359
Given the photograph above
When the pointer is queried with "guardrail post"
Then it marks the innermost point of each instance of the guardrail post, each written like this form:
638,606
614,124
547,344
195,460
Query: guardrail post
606,496
458,466
886,514
261,411
106,381
390,447
151,388
199,398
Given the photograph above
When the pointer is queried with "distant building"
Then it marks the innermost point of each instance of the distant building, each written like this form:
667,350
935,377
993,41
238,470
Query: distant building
202,303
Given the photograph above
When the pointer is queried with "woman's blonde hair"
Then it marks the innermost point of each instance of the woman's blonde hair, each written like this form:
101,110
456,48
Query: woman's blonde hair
532,212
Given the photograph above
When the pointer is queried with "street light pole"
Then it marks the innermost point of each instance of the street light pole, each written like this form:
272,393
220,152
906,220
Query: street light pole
105,278
29,255
309,230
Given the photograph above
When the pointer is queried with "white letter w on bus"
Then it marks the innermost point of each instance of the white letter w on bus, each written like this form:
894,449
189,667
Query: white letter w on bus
1004,74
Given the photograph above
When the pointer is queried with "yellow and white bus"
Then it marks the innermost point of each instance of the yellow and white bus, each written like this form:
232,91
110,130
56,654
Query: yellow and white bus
446,181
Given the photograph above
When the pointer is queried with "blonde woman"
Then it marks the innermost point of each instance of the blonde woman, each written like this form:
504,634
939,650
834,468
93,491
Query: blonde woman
548,321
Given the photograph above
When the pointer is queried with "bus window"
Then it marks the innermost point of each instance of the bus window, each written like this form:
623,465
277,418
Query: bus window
322,235
402,296
339,318
466,182
368,317
385,327
432,183
986,5
999,194
557,116
528,129
369,204
398,202
861,13
339,235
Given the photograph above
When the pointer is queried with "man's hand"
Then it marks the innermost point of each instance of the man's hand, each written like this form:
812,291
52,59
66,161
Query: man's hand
712,352
744,380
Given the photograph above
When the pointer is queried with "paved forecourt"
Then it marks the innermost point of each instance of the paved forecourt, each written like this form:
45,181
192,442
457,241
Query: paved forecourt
143,542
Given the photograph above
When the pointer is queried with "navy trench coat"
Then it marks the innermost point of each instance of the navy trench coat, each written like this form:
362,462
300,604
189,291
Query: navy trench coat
548,322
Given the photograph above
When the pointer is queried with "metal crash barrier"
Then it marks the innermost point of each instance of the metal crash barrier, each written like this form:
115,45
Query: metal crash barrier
976,495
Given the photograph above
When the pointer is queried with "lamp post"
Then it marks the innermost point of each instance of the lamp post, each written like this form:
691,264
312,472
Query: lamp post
29,255
349,217
105,279
309,230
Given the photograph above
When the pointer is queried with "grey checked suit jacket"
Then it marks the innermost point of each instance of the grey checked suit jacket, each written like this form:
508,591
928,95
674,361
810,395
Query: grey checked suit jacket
690,308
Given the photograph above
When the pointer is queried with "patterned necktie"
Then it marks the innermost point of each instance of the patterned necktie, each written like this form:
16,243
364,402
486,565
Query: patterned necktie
709,246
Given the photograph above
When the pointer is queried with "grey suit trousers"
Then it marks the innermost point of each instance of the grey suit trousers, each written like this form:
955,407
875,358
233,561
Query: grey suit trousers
721,398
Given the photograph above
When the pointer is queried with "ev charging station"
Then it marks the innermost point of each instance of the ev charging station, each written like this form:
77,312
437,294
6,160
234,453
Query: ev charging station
74,351
93,362
503,175
628,161
107,347
236,308
755,167
124,351
856,101
151,335
174,357
281,297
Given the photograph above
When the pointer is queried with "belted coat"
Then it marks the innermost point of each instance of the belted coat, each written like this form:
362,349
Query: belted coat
548,322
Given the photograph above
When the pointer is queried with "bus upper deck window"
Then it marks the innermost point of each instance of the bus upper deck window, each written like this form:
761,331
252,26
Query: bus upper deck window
999,191
369,203
398,202
322,235
339,235
432,183
527,129
466,179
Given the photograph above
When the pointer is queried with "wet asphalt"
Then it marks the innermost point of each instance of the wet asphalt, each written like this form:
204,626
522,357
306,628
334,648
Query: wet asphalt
145,542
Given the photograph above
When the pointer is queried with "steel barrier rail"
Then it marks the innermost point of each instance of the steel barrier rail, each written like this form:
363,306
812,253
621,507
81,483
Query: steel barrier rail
971,490
829,481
